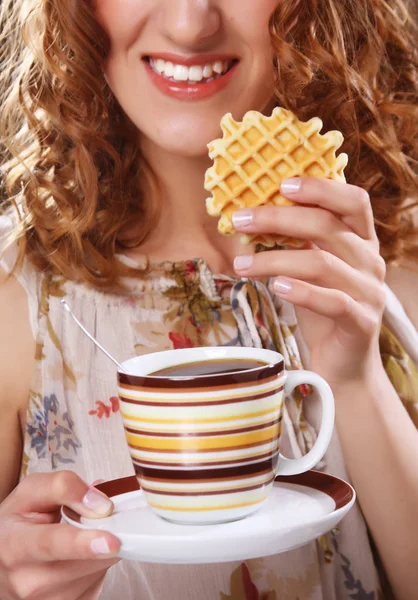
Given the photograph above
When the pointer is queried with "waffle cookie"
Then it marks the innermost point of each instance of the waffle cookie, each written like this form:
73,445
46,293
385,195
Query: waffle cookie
254,156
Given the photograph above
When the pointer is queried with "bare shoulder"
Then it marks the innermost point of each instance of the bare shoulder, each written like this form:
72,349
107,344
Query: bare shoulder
17,356
403,280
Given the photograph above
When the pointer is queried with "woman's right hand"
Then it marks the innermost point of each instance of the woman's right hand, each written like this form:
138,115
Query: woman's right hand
41,558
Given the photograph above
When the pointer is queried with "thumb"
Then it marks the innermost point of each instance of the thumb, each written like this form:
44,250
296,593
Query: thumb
47,492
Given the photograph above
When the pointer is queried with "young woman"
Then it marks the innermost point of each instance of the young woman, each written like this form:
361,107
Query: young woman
106,111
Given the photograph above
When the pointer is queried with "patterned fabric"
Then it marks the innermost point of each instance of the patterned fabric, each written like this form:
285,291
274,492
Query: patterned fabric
73,418
401,371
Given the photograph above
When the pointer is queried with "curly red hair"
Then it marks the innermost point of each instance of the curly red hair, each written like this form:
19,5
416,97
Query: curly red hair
70,154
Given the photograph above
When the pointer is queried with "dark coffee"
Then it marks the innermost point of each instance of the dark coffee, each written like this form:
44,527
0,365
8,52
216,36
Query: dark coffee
210,367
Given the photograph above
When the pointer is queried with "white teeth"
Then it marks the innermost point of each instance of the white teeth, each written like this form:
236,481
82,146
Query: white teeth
169,69
207,71
218,67
159,66
196,73
181,73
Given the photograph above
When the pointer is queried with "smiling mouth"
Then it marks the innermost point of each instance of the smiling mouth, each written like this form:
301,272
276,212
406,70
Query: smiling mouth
192,75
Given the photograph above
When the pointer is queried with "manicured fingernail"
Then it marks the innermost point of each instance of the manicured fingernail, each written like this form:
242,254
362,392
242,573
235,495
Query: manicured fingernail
282,287
242,218
97,502
243,263
98,482
291,186
100,546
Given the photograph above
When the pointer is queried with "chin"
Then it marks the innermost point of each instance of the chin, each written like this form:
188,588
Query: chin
189,145
183,135
194,149
188,131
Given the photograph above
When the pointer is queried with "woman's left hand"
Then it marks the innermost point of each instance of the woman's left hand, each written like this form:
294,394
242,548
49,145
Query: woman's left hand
336,283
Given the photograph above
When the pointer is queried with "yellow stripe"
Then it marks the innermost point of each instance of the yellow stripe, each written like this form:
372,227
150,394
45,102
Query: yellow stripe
184,397
201,443
180,421
226,507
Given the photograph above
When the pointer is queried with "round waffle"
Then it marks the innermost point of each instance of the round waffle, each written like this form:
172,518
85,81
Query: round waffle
254,156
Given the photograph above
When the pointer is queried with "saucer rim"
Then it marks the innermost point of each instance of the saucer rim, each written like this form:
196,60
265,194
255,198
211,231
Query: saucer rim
339,490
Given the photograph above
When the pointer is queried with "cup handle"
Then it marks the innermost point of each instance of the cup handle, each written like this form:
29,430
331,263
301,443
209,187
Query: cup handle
294,466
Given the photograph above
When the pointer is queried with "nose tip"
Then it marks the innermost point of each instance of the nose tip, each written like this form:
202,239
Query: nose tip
188,23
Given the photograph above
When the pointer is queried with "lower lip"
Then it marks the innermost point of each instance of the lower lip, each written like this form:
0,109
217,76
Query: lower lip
190,92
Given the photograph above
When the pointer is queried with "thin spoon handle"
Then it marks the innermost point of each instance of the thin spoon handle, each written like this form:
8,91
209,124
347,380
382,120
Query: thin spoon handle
68,309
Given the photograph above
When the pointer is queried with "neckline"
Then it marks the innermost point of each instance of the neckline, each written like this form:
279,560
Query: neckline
191,266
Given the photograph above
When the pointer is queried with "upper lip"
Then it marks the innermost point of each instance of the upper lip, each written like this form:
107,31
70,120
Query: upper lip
189,61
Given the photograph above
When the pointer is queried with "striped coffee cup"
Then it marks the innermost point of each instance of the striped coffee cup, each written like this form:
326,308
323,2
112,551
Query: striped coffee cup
205,448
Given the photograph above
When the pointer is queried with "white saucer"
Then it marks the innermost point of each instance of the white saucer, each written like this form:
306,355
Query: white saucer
299,509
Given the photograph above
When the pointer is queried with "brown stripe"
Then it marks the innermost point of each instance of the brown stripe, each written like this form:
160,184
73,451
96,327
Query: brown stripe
211,403
147,480
126,382
206,476
272,454
205,434
220,379
211,493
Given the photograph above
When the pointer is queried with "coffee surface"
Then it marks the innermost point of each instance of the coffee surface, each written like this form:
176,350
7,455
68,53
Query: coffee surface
210,367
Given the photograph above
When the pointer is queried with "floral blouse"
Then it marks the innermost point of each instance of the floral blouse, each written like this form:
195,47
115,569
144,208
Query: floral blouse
73,419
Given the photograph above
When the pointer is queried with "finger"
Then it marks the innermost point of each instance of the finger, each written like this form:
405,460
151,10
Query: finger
86,588
58,573
92,592
322,227
351,316
314,266
349,201
58,542
46,492
42,578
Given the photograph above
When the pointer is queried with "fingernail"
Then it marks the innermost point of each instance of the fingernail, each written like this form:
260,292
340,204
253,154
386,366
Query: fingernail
242,263
242,218
100,546
97,502
291,186
98,482
282,287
